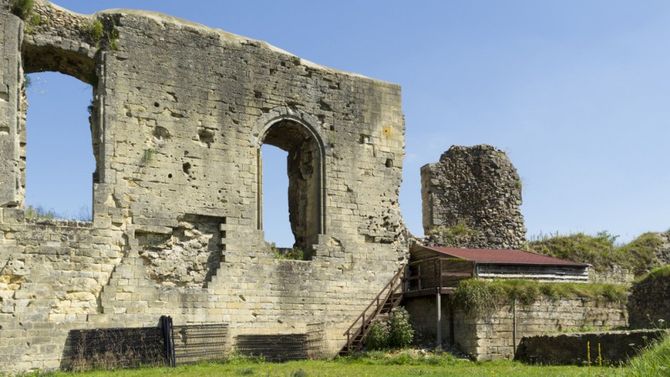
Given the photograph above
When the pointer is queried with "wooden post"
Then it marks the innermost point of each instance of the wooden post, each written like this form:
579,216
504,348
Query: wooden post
438,297
514,327
452,331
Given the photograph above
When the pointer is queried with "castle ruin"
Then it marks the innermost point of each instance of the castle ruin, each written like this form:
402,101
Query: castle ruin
178,117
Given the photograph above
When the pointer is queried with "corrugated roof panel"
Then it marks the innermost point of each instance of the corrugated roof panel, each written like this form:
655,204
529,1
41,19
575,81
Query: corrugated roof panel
502,256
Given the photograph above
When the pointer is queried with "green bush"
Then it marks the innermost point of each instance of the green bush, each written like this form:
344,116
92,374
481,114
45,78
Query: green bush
22,8
294,253
401,333
456,236
484,296
657,273
397,332
601,252
96,30
378,336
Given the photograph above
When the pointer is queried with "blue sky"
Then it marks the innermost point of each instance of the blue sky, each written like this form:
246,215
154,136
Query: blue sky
576,92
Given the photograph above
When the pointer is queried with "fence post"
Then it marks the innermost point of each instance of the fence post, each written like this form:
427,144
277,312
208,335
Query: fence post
168,339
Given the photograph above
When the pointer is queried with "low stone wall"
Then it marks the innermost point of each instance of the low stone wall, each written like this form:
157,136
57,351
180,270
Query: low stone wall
649,302
611,275
610,348
496,335
423,316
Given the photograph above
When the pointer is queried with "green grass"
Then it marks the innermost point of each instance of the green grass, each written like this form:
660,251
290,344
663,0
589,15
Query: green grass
657,273
483,296
654,362
601,251
396,366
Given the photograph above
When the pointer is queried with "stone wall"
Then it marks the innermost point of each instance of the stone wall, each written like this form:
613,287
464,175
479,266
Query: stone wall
179,114
608,348
649,302
611,275
663,252
493,335
472,198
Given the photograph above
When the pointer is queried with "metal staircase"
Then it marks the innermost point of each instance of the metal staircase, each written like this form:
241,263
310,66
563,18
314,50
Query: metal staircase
388,298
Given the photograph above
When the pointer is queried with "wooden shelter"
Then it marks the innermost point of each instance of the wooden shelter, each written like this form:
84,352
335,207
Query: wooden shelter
440,268
436,270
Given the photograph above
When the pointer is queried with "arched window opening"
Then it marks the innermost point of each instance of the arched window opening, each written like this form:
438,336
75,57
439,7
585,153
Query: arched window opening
304,171
59,153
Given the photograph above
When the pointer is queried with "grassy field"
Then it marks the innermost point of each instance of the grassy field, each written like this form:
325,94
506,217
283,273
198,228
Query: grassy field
356,369
373,366
655,362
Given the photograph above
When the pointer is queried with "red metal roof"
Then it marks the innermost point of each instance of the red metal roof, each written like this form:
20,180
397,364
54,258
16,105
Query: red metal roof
502,256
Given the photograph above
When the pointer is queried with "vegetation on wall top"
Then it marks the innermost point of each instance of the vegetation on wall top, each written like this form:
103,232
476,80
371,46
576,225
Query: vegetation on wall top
22,8
484,296
655,274
458,235
601,252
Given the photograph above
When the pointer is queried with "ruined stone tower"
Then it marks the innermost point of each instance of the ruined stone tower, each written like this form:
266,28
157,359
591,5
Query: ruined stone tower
472,198
179,114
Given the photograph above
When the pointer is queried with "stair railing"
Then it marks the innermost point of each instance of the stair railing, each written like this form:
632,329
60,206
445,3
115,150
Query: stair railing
377,303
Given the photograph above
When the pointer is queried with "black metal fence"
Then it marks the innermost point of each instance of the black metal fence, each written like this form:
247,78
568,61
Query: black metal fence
113,348
193,343
274,347
169,345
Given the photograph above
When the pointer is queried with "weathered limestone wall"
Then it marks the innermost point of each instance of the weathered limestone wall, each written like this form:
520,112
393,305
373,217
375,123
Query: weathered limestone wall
649,302
472,198
179,114
611,275
10,85
488,337
492,336
423,315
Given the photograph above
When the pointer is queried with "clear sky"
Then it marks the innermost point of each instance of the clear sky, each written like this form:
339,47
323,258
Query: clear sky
576,92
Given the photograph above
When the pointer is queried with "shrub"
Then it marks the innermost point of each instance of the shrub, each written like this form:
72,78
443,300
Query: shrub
378,336
657,273
96,30
294,253
484,296
458,235
401,333
22,8
600,250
